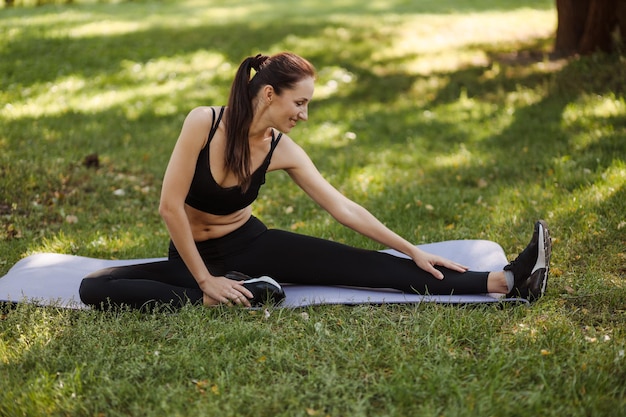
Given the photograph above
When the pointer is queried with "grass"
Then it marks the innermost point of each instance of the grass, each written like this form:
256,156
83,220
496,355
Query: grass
447,120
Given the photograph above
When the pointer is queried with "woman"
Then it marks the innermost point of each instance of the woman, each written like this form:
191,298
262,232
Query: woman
214,174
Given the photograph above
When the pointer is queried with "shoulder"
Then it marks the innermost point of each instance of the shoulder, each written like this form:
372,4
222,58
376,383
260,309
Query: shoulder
288,154
198,123
285,143
202,115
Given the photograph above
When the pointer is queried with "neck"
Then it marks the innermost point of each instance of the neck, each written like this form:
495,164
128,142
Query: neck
259,127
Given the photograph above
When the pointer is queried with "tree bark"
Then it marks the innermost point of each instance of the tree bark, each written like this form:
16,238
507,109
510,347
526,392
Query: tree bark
621,19
587,26
601,22
572,15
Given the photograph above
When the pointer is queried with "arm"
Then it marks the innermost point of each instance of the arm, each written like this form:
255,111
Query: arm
176,183
304,173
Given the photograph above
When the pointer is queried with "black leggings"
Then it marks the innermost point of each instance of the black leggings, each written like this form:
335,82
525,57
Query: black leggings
255,250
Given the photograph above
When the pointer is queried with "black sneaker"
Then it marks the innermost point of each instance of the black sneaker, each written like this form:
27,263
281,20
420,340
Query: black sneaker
531,267
265,290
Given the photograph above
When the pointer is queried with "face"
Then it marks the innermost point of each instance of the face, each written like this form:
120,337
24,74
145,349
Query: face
291,106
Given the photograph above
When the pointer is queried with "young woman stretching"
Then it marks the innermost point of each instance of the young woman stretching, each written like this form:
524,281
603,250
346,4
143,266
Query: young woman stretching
215,172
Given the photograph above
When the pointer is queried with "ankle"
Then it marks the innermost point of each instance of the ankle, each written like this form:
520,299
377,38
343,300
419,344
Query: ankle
497,283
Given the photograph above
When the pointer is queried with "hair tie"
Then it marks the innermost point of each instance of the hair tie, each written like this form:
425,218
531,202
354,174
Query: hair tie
258,62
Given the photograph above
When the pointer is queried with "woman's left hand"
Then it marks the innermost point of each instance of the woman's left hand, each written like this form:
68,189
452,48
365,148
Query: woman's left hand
427,262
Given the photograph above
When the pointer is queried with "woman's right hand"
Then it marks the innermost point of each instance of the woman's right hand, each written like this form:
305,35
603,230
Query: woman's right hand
226,291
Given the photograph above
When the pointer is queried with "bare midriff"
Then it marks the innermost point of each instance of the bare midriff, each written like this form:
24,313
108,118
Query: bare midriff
205,226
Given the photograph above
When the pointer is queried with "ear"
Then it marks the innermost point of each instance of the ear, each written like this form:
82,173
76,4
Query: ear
268,93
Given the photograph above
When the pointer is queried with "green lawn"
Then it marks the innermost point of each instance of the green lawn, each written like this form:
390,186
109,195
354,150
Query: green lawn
447,120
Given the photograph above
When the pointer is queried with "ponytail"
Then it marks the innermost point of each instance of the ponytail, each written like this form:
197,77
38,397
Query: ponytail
281,71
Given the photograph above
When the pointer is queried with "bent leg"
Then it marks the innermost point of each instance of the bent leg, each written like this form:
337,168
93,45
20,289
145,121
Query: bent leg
142,285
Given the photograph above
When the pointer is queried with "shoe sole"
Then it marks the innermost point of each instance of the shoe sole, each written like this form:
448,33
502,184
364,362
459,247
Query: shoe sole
266,279
543,256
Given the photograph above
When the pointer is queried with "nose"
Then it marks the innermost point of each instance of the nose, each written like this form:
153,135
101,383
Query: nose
304,114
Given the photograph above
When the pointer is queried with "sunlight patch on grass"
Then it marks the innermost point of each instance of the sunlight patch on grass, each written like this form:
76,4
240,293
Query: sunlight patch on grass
523,97
118,242
138,88
394,167
611,181
123,17
582,204
446,61
444,43
425,34
587,119
368,180
11,33
66,95
594,106
45,99
106,28
330,135
223,12
196,64
332,81
460,158
60,18
26,337
59,243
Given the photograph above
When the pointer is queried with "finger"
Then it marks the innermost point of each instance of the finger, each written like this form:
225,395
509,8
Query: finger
241,299
433,271
456,267
227,300
243,290
230,297
236,296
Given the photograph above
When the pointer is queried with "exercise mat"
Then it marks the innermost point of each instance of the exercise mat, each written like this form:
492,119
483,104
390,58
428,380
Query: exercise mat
54,279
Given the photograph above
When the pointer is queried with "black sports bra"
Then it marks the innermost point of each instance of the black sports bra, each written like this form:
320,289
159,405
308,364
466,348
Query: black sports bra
206,195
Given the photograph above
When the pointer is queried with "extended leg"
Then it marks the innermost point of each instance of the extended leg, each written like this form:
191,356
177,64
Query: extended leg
299,259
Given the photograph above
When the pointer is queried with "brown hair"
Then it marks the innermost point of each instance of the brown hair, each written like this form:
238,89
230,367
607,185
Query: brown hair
281,71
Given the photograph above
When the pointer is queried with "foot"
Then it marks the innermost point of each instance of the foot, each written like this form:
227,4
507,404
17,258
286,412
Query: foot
531,267
264,289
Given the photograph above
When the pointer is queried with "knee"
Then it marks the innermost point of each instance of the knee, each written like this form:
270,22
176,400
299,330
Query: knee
92,288
86,291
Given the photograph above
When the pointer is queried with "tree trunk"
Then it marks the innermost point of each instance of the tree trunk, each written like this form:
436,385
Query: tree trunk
601,22
572,15
621,20
587,26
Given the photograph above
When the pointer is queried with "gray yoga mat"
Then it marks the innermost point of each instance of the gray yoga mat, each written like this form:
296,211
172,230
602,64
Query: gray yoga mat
53,279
